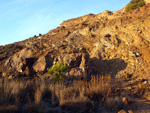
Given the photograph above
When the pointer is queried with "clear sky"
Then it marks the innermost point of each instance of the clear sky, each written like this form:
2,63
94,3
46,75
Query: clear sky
21,19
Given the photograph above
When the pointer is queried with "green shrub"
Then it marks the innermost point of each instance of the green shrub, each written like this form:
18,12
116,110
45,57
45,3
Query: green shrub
134,4
57,71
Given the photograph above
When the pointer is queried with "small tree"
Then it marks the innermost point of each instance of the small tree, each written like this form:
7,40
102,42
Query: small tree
57,71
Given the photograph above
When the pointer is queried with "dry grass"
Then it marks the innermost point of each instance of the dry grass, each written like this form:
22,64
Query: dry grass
99,88
42,95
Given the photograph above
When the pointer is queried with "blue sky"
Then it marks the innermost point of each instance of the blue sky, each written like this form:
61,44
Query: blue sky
21,19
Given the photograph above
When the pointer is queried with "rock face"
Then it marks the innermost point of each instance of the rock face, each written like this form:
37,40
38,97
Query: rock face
109,43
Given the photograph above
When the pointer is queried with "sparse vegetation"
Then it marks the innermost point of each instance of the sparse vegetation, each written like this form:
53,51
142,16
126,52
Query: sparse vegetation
76,96
38,96
134,4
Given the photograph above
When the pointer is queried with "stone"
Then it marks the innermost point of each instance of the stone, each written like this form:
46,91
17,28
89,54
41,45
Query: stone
107,35
145,82
84,61
130,111
74,72
84,31
125,100
131,53
42,64
122,111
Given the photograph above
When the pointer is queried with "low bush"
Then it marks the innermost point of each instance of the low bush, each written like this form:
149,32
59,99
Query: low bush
134,4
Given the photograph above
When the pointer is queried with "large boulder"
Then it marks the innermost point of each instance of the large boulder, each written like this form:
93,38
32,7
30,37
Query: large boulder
42,64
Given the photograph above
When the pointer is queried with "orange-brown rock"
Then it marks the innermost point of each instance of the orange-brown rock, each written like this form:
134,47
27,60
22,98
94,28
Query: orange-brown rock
122,111
42,64
16,62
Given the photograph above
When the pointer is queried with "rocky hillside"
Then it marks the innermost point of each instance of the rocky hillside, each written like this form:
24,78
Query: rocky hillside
109,43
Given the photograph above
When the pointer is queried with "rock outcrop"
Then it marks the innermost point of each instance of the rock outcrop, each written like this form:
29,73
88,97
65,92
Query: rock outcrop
20,61
79,63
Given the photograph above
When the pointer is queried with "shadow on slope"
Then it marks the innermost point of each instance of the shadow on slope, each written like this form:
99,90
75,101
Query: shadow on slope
107,67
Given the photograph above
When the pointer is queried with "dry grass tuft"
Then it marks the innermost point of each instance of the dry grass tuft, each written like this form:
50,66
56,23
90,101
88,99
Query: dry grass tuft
99,88
38,96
